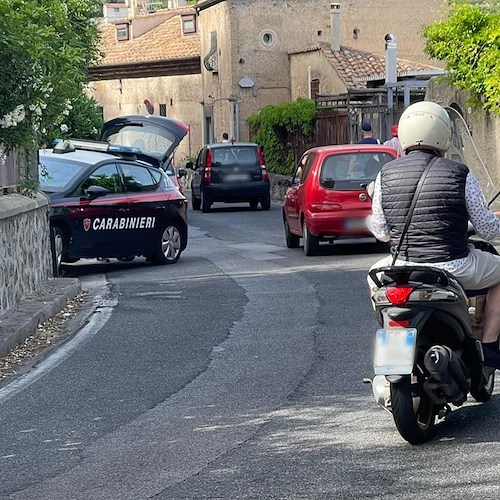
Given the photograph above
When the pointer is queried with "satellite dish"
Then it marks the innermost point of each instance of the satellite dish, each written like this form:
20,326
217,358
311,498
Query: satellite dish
246,83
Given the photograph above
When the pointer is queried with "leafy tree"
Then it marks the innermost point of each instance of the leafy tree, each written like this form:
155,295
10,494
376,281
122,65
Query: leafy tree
469,43
274,128
45,49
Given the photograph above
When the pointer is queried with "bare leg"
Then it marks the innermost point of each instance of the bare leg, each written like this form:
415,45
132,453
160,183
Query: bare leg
492,315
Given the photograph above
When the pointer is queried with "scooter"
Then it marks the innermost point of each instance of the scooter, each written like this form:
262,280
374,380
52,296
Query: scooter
427,355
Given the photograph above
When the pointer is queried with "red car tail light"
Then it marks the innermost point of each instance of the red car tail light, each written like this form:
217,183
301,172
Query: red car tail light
398,295
207,177
324,207
263,168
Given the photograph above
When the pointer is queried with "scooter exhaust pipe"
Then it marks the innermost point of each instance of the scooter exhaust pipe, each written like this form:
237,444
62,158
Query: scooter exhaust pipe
447,375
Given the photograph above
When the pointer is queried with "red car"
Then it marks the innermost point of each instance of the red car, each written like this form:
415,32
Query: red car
327,197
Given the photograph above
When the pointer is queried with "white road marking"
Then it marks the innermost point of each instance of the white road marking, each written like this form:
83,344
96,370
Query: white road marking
96,322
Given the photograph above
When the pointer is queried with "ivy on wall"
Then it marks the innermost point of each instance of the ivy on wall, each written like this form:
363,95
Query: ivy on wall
281,130
469,43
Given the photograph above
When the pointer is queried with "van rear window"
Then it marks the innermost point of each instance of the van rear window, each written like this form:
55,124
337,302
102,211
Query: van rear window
235,155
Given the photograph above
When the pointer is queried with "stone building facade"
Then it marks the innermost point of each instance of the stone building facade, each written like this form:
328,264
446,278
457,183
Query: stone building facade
242,50
245,47
154,59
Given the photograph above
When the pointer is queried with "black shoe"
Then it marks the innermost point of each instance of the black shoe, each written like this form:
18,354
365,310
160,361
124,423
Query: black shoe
491,357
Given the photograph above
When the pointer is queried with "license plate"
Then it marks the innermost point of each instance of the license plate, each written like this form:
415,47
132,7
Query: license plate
394,351
355,224
236,177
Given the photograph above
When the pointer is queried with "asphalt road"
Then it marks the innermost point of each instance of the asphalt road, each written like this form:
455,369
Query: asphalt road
234,374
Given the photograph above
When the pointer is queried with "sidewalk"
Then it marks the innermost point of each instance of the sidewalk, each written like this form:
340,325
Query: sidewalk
22,321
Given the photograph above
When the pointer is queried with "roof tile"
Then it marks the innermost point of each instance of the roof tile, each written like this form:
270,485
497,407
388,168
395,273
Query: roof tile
164,42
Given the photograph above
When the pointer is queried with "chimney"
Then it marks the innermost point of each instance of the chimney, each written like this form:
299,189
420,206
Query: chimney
335,22
391,61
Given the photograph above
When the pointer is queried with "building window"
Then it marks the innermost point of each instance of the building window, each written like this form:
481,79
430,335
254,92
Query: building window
163,110
122,32
314,88
268,38
188,24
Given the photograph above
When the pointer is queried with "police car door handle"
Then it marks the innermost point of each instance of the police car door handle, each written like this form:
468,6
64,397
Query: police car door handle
124,210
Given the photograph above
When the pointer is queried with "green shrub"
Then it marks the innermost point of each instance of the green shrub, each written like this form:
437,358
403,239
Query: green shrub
469,43
281,130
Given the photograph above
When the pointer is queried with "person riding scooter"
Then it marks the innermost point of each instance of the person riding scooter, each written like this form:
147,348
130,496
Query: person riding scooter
450,197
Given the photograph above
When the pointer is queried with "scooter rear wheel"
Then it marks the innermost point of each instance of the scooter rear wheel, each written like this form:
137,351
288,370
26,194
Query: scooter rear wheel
484,394
414,415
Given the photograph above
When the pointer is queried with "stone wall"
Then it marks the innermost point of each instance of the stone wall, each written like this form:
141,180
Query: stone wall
25,258
484,126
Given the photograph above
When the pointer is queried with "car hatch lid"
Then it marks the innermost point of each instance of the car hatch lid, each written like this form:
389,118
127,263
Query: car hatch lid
156,136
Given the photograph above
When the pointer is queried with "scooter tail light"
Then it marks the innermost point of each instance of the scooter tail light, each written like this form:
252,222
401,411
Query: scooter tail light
207,176
398,295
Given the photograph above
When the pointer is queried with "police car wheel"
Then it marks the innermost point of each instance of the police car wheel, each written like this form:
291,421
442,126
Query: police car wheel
170,245
58,251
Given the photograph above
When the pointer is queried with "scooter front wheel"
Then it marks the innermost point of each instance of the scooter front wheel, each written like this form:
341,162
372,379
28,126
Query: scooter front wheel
414,415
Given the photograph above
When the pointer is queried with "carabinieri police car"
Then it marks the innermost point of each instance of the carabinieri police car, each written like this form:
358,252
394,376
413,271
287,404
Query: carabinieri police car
106,201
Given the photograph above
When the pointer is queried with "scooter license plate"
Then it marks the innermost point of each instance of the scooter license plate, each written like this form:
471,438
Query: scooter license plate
394,351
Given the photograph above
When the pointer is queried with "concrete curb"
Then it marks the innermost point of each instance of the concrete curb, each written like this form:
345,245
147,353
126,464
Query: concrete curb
20,322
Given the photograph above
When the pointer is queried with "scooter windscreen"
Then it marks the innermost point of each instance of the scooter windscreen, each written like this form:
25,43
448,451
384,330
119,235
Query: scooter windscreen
464,150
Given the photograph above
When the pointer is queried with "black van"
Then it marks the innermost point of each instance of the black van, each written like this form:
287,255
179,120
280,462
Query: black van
230,173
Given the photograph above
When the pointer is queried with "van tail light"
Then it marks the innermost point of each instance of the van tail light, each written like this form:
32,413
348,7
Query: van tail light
398,295
265,175
207,177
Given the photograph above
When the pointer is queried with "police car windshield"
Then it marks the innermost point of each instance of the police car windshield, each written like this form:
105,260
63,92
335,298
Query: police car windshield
55,175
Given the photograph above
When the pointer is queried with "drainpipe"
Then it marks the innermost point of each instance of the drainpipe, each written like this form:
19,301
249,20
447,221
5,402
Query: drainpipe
309,82
391,75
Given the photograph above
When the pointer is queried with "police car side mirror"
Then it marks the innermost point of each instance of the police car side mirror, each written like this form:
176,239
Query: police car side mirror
97,191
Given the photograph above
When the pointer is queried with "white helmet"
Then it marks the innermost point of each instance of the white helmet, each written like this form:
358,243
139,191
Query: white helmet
425,125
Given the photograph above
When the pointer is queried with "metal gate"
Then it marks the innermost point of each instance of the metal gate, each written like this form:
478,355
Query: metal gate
331,128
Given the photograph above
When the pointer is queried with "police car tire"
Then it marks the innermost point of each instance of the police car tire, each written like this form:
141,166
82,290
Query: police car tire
174,237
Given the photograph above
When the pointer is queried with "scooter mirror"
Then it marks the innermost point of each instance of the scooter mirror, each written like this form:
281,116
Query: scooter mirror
370,189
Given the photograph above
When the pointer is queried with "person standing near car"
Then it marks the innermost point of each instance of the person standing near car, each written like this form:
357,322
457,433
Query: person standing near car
366,130
449,198
394,141
225,137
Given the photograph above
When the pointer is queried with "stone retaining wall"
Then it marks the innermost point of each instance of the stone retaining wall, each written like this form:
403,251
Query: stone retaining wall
25,258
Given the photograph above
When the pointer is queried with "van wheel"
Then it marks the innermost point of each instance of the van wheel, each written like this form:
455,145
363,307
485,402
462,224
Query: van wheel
205,203
169,246
265,203
195,202
311,242
254,204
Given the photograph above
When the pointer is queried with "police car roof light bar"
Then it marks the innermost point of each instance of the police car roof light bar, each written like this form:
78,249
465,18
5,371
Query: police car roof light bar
68,146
